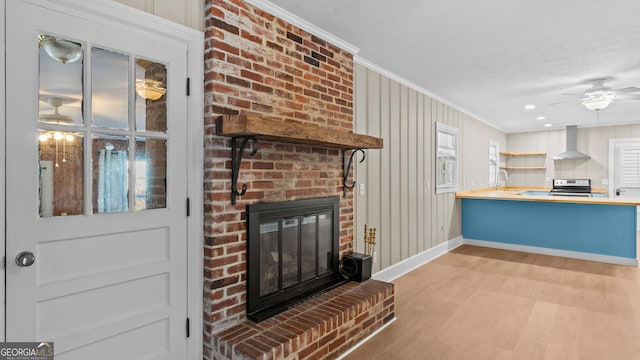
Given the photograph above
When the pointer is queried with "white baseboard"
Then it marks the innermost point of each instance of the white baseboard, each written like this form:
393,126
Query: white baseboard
396,270
366,339
553,252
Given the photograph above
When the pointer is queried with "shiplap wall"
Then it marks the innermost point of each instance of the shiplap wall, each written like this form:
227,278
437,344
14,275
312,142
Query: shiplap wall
399,199
186,12
591,140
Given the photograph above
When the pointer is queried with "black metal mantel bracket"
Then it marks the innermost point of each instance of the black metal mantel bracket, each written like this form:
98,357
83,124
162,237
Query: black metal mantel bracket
236,160
347,168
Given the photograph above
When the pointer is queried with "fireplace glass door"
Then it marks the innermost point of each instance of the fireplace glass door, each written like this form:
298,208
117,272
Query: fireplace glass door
295,253
294,250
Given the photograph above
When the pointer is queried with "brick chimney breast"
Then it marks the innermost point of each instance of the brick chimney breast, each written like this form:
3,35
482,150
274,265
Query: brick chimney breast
256,63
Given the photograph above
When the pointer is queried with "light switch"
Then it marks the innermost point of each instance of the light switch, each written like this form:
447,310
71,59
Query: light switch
361,189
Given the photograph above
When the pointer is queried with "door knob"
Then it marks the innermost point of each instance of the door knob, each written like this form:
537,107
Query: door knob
25,258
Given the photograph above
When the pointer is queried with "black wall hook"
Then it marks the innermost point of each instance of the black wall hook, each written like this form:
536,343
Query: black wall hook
236,160
347,168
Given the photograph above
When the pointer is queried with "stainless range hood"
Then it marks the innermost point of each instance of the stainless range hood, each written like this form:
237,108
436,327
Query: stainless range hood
572,152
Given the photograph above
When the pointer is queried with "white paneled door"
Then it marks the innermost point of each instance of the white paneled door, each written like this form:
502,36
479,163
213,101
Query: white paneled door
96,222
624,170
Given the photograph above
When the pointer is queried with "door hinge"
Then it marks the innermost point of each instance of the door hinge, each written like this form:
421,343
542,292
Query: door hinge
188,86
188,328
188,206
4,262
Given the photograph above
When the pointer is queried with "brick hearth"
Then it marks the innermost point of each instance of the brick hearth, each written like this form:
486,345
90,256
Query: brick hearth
321,328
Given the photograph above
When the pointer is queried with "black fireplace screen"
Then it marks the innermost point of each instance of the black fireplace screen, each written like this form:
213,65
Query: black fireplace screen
292,253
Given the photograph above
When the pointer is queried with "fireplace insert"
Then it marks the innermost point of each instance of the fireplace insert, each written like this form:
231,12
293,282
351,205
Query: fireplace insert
292,253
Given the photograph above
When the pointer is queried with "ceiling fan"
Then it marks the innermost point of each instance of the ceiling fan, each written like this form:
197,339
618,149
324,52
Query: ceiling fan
599,96
56,102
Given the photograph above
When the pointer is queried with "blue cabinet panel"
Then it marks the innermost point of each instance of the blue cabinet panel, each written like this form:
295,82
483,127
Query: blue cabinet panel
590,228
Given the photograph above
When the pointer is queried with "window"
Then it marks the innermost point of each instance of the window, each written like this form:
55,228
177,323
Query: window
628,167
446,158
117,122
494,162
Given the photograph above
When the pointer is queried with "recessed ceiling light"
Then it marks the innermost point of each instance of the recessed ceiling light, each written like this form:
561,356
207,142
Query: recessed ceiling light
529,107
548,125
540,118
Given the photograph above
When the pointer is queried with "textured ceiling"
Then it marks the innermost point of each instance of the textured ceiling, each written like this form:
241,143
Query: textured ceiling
490,58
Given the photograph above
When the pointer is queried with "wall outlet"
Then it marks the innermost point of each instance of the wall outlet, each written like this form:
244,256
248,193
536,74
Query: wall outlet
605,181
362,189
375,256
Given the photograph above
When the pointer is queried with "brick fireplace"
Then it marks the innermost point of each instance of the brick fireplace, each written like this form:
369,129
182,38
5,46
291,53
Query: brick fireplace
257,64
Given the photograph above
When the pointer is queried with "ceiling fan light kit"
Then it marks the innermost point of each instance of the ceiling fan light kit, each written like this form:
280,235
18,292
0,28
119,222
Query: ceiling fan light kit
598,102
63,51
150,89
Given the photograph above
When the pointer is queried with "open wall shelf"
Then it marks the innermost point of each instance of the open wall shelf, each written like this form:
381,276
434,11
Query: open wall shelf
523,167
523,153
512,164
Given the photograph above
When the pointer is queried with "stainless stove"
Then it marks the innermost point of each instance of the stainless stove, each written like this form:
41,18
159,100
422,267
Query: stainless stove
571,187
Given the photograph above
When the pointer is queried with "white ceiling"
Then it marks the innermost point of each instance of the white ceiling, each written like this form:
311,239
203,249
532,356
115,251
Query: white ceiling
490,58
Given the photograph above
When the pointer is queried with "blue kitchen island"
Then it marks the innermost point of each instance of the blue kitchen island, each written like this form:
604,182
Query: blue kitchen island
598,229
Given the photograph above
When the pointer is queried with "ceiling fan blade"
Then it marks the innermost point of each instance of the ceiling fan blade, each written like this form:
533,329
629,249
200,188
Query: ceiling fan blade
561,102
630,89
627,97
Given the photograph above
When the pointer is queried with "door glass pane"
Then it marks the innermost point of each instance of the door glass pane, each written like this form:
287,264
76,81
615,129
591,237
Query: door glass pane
308,240
268,258
60,173
151,104
110,168
325,246
289,252
151,173
60,80
110,89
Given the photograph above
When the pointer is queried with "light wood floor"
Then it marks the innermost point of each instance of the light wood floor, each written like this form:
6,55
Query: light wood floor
479,303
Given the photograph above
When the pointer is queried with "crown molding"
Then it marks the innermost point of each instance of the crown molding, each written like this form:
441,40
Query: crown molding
382,71
303,24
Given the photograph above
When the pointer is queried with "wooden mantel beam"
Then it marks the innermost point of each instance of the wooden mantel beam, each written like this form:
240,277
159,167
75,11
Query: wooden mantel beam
293,131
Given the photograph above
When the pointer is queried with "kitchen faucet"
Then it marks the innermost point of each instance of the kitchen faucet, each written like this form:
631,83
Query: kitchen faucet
506,177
